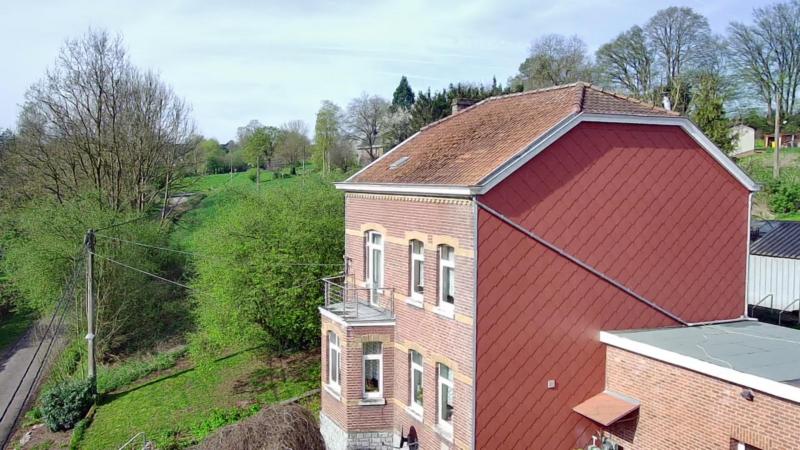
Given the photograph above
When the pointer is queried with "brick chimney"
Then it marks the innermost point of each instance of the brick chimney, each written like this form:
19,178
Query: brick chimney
460,104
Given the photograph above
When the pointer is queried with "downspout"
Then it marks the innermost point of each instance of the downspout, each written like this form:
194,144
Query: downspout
747,257
475,320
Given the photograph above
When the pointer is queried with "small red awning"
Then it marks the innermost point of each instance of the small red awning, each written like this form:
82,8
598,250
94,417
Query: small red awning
607,407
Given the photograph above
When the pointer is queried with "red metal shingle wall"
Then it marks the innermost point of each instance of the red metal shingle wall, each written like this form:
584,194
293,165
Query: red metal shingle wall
643,204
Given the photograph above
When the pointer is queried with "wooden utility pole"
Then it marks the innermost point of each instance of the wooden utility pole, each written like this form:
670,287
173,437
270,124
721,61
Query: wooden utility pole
258,173
90,308
776,162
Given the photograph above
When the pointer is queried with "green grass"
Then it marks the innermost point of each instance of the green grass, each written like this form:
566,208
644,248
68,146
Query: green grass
110,378
13,326
183,406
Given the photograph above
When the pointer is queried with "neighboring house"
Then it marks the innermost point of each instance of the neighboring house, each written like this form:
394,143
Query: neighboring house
491,256
786,140
744,139
774,275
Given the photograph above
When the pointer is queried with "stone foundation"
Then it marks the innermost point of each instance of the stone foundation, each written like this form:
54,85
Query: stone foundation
338,439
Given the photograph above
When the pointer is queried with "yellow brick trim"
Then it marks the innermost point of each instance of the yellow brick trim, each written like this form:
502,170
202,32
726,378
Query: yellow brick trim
411,198
463,319
463,378
423,237
353,232
382,338
438,240
370,226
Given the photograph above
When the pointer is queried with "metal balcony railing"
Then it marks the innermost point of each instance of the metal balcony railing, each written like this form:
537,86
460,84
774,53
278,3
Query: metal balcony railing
346,299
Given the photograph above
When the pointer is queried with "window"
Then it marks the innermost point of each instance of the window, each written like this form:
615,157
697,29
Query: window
334,358
415,378
374,265
444,407
373,370
417,269
447,278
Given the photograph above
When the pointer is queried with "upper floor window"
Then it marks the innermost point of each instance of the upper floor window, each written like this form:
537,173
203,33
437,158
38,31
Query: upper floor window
374,264
447,277
415,378
417,269
445,406
373,370
334,359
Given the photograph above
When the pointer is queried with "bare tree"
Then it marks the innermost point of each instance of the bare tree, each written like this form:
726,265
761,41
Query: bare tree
97,123
627,62
679,36
366,117
766,54
553,60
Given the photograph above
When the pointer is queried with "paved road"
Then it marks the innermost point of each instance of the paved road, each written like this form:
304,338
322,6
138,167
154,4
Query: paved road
12,367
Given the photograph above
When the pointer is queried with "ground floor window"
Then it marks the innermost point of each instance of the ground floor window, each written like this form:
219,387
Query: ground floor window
334,357
373,368
445,401
415,377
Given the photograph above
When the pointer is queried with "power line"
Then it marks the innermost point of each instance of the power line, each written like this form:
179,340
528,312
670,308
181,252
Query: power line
61,303
202,255
121,223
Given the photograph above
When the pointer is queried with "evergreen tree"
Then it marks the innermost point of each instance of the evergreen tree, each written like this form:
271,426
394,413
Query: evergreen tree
403,96
709,112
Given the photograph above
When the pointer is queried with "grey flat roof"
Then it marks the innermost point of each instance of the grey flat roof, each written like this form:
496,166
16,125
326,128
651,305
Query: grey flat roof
751,347
780,240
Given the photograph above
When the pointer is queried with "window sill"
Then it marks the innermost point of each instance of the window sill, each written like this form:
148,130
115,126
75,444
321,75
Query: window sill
372,402
414,413
448,313
333,392
416,303
447,435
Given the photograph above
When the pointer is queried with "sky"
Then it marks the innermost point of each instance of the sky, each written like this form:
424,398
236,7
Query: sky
275,61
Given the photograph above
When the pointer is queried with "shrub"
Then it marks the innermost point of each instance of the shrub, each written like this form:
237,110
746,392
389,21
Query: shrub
252,175
65,404
785,195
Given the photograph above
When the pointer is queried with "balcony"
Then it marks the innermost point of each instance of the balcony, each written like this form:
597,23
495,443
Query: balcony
355,304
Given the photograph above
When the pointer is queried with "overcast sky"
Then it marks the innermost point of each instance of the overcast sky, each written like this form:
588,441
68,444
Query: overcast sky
276,61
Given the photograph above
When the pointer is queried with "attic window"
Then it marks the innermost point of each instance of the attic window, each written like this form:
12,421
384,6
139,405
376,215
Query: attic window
399,163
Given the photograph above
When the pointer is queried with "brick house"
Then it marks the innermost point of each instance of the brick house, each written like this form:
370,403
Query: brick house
486,253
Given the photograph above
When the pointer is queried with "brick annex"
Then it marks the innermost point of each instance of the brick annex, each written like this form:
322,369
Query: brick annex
500,262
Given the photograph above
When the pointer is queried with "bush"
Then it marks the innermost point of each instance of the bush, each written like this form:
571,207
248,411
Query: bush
785,195
252,174
67,403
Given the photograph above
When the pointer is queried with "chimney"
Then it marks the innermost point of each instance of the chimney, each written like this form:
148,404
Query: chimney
666,102
460,104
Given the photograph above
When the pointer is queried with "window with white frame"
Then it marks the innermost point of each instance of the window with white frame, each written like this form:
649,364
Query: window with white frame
334,360
444,406
447,277
373,370
374,264
417,269
415,379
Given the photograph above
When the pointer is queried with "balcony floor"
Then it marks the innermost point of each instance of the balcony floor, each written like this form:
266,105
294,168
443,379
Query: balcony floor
366,313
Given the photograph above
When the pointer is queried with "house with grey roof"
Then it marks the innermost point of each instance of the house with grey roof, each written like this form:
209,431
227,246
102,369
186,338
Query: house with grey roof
773,283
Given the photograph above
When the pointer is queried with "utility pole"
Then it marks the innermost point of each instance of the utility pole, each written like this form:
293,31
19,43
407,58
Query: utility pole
776,163
90,308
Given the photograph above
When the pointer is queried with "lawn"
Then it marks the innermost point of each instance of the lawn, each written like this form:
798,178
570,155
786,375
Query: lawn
185,404
12,327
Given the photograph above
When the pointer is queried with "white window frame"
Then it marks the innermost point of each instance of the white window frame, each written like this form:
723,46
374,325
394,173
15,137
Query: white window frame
444,305
413,367
375,291
445,426
417,257
371,357
333,348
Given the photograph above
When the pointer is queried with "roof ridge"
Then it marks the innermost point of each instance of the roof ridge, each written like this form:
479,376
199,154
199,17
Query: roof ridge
504,96
628,98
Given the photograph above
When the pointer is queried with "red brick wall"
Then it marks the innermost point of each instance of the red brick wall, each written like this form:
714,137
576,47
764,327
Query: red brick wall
346,410
684,409
438,339
643,204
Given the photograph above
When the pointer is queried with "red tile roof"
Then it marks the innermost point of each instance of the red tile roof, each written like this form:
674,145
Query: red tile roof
464,148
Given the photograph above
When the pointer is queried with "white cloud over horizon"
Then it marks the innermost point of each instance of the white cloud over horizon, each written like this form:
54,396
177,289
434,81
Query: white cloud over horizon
276,61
